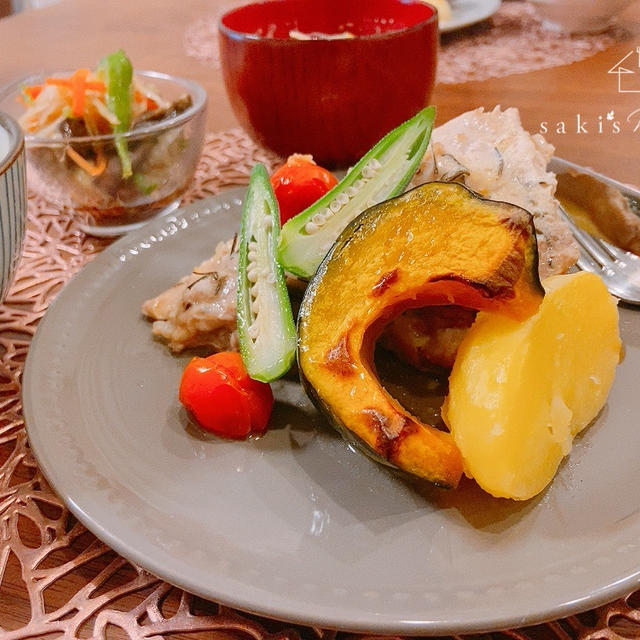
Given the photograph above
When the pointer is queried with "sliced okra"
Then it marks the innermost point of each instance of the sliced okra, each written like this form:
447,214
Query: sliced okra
383,172
266,329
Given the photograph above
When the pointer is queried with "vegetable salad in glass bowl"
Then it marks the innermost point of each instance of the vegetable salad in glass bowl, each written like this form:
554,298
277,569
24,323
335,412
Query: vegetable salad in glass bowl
116,146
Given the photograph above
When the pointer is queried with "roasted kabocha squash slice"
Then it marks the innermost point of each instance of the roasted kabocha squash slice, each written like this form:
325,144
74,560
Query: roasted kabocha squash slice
438,244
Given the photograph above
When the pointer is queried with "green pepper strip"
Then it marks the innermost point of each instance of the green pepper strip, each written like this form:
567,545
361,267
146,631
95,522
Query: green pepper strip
118,75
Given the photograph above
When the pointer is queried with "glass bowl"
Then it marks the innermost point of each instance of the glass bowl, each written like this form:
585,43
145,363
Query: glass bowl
164,156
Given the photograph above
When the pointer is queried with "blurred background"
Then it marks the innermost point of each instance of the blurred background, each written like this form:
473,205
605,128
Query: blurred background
7,7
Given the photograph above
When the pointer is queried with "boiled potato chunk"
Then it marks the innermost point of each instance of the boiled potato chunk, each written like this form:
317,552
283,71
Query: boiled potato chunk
520,391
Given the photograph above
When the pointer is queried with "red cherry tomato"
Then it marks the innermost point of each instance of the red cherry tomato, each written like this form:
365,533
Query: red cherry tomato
222,398
298,183
259,393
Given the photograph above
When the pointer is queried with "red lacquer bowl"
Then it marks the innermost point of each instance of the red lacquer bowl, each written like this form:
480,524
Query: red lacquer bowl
332,98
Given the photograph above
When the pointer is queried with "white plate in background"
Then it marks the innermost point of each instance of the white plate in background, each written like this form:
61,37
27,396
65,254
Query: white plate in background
467,12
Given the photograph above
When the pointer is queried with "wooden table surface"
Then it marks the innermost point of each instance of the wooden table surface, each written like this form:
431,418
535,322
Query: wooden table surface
78,32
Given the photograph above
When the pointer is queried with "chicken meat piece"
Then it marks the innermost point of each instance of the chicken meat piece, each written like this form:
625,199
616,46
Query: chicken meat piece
200,310
428,338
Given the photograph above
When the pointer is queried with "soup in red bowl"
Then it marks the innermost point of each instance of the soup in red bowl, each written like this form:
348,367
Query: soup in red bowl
328,77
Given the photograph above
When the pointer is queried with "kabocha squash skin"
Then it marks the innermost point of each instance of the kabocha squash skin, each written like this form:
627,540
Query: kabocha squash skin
438,244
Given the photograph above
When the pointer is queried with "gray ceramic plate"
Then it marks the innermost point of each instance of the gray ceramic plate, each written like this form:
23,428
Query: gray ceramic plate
467,12
296,525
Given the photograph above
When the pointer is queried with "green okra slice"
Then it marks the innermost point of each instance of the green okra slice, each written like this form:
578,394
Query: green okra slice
383,172
266,329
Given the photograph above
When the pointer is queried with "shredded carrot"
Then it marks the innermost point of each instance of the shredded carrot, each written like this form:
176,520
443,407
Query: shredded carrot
33,92
90,122
150,103
92,169
79,86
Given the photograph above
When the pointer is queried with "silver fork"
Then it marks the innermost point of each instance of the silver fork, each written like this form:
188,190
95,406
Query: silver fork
619,269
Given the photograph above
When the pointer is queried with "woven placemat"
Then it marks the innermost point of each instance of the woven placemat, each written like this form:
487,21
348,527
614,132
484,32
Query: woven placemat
513,40
56,578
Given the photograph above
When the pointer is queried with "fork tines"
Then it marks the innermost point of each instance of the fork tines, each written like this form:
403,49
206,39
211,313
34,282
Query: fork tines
619,269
